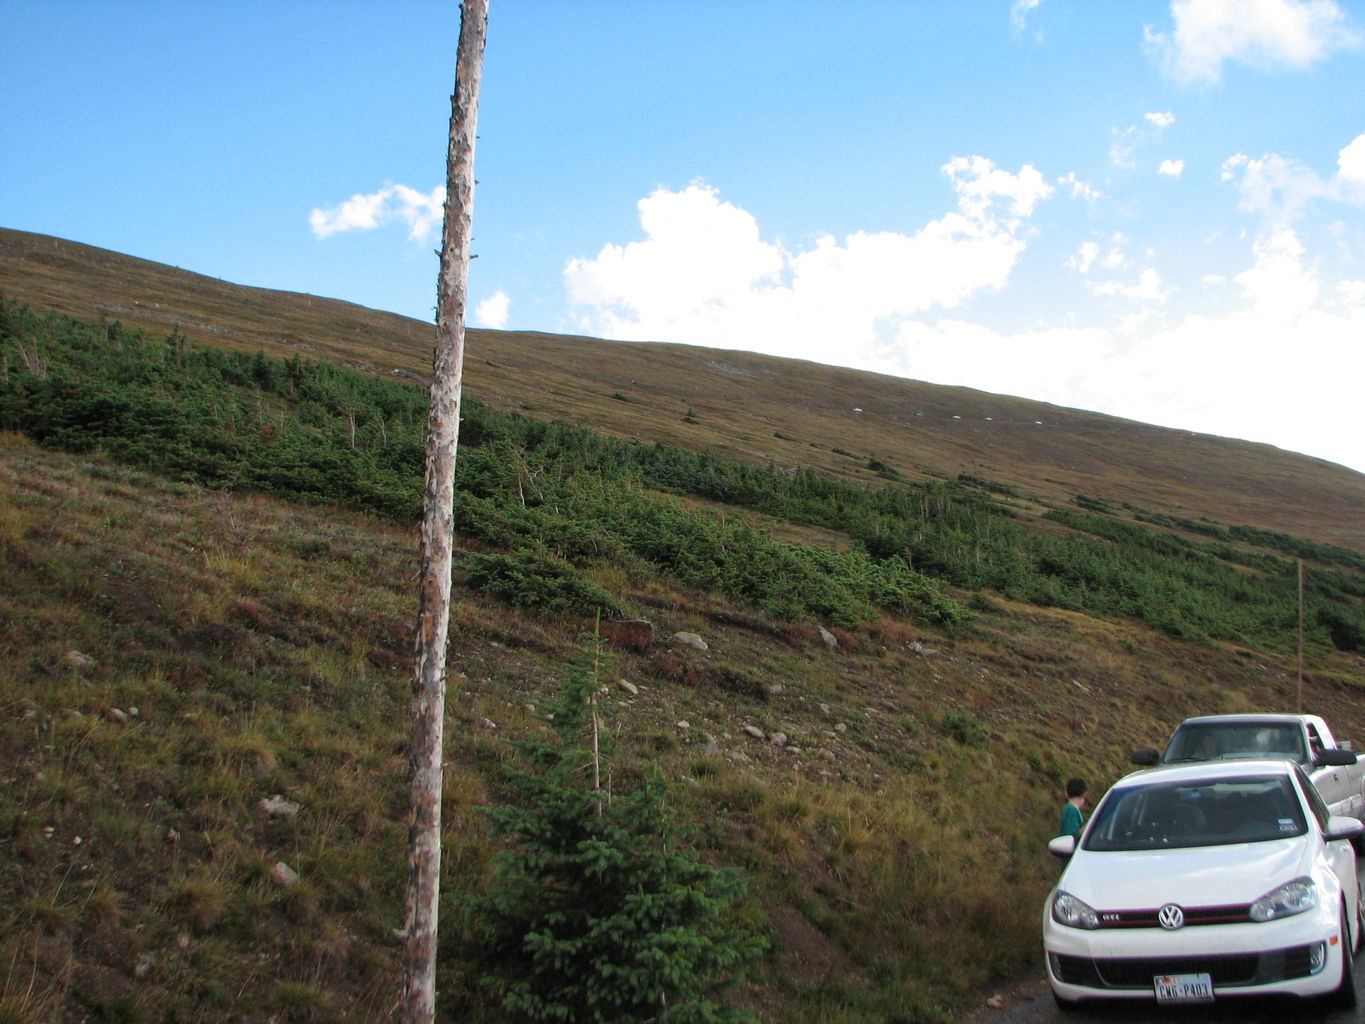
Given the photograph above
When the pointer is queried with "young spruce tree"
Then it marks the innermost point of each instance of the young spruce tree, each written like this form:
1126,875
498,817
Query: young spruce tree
597,915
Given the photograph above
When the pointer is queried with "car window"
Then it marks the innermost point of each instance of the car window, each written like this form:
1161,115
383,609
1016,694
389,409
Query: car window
1315,801
1210,812
1222,739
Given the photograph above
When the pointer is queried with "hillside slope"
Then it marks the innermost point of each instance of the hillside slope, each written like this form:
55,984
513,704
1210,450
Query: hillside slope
177,659
752,407
200,682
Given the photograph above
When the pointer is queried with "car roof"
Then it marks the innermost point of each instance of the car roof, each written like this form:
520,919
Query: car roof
1209,770
1258,718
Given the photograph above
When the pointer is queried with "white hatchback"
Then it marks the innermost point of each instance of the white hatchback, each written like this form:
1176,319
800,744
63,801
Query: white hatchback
1197,882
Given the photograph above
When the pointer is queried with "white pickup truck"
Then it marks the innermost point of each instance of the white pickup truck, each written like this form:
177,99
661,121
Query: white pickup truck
1332,765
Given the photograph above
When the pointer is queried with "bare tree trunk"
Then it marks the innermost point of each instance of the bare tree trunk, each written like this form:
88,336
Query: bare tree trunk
433,623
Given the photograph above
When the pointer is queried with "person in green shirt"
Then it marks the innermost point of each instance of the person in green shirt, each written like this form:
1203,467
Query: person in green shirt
1072,816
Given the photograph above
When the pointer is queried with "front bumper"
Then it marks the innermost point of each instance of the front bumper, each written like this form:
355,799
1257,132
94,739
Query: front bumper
1299,956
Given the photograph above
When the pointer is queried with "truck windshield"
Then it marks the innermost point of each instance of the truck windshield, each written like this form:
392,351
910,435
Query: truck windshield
1223,739
1208,812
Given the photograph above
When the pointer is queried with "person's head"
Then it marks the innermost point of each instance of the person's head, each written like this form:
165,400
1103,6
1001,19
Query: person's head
1075,788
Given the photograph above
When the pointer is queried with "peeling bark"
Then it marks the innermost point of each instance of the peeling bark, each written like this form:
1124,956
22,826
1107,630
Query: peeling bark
433,621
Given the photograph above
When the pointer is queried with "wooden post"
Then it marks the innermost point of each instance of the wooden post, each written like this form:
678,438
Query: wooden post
433,621
1300,636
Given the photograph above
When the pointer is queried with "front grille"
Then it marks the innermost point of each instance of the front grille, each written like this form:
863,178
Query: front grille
1138,973
1225,971
1233,914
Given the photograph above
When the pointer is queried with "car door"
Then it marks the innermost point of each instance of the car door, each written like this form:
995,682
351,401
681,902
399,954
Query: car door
1340,853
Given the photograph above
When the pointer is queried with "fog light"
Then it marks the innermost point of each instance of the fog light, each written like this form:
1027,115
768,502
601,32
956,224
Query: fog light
1055,962
1317,957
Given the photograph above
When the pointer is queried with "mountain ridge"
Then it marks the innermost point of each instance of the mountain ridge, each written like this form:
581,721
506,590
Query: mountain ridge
738,404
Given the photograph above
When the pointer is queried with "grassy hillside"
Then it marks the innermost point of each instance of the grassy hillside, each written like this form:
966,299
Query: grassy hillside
176,655
206,594
751,407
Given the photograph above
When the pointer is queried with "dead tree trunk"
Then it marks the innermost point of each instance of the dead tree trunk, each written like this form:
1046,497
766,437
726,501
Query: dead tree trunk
433,622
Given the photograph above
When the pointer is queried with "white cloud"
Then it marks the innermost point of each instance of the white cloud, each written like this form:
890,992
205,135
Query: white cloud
493,311
420,211
1268,34
1129,139
1283,368
1351,162
1019,14
1090,255
1149,288
1079,189
1281,188
703,273
1171,168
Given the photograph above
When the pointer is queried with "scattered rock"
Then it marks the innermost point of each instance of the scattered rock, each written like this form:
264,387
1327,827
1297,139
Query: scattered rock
995,1002
829,638
117,715
144,965
629,687
841,727
778,739
284,875
709,746
182,941
133,712
684,725
488,723
691,640
755,732
775,689
279,806
79,661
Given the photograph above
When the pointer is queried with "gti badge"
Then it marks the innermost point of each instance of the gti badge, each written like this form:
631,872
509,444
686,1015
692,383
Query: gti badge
1171,917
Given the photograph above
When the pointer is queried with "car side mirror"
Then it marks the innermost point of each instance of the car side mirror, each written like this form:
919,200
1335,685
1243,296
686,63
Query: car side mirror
1065,846
1340,827
1146,757
1336,757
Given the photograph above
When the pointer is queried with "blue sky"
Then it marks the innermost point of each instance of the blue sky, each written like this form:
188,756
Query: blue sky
1153,208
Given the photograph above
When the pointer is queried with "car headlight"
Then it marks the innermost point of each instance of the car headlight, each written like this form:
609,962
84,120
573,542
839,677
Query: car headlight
1289,899
1073,913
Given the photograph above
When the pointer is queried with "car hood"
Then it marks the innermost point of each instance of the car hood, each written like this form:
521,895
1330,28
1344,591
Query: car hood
1203,876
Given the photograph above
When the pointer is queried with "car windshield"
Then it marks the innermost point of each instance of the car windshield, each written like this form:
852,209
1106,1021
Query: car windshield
1208,742
1206,812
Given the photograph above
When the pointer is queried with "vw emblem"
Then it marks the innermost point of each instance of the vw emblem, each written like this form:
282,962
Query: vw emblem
1171,917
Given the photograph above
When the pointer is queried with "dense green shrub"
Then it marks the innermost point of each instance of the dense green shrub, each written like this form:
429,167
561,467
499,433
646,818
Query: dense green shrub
599,912
552,499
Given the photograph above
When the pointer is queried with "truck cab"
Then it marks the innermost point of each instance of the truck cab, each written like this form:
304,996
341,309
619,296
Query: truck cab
1305,739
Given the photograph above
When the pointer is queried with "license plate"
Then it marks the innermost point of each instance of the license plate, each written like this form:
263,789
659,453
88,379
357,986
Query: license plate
1183,988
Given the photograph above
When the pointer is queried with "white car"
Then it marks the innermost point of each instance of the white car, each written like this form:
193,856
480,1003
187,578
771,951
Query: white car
1198,882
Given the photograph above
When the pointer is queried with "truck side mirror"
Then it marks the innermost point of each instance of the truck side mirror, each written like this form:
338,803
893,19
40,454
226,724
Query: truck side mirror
1334,758
1146,757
